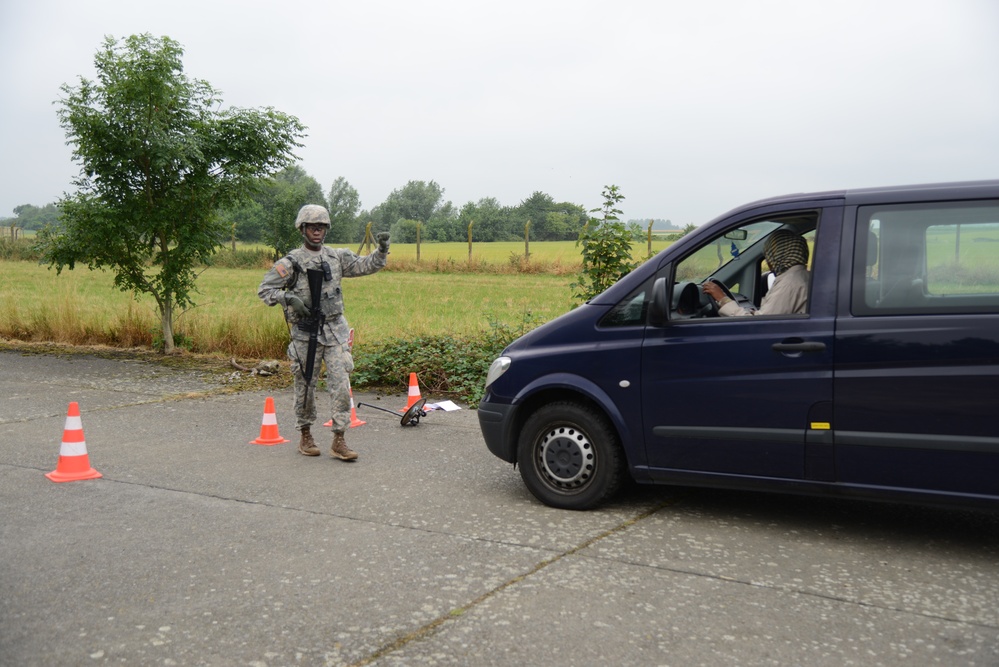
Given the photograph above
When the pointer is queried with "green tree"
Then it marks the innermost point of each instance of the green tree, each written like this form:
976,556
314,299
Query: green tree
34,217
268,215
248,217
404,231
444,229
536,209
606,245
417,200
344,204
445,216
492,221
159,157
550,220
280,197
562,225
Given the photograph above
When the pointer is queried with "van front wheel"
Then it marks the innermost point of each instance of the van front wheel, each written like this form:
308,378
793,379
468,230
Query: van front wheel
569,457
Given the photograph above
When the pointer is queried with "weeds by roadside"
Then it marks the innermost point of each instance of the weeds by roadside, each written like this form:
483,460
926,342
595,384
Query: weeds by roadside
448,347
444,364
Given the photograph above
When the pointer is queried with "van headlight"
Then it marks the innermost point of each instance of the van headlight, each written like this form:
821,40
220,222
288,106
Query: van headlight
496,369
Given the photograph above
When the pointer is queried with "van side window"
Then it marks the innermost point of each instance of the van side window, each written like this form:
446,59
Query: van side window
927,258
737,258
631,310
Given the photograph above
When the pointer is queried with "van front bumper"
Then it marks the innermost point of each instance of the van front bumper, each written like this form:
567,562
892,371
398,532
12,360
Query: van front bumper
494,421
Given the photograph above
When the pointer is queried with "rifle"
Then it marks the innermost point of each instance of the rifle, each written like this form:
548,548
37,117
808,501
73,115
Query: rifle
315,321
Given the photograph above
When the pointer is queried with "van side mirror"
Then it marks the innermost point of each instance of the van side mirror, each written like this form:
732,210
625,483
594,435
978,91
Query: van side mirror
659,307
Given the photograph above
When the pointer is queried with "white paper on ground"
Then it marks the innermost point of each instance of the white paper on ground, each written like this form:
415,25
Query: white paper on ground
447,406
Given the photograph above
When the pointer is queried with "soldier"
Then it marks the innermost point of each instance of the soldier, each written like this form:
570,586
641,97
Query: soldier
286,283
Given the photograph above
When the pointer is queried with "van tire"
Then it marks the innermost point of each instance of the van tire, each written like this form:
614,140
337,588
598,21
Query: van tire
569,456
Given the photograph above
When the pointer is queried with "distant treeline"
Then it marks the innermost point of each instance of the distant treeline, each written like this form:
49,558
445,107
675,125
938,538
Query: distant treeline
419,207
32,217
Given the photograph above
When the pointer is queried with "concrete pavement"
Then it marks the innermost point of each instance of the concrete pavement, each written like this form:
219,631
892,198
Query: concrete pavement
199,548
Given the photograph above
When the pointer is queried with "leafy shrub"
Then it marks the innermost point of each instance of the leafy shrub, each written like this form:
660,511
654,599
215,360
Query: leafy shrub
19,249
443,364
253,258
606,245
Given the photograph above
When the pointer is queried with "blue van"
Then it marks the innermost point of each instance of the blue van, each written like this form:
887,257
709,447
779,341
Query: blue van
884,384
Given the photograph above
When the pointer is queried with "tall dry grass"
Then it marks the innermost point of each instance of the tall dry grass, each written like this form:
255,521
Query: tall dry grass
83,307
444,292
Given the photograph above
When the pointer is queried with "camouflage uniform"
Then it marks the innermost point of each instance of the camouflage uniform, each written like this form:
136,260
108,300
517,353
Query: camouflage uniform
288,276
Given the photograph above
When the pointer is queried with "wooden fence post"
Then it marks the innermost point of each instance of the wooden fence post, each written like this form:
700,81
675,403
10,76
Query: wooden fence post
366,240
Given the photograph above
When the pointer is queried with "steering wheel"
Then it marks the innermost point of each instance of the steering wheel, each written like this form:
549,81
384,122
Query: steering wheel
711,308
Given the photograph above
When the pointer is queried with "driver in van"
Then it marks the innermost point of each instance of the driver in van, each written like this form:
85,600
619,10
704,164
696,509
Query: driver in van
787,255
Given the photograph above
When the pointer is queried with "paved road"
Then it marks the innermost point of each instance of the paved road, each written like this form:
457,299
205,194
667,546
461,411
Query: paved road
198,548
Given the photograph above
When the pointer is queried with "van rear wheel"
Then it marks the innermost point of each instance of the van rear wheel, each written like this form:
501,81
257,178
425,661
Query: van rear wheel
569,457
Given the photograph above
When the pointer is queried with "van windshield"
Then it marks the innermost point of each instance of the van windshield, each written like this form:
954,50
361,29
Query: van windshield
708,258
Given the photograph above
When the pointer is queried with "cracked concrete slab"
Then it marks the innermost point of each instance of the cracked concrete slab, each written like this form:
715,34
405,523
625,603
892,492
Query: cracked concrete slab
199,548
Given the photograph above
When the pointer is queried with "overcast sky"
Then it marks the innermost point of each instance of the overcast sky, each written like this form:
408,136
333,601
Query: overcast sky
690,107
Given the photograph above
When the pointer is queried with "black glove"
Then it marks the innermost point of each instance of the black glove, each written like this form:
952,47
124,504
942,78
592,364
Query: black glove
296,304
383,241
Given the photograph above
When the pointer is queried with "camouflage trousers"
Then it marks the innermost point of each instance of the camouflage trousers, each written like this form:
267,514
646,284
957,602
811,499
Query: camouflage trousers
339,363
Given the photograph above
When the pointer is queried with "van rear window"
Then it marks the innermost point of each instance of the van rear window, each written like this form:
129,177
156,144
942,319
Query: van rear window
927,258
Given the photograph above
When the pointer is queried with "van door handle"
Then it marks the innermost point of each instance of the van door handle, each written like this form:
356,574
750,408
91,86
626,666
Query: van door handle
800,346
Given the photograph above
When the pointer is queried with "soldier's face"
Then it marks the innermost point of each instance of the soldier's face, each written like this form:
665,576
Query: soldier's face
314,235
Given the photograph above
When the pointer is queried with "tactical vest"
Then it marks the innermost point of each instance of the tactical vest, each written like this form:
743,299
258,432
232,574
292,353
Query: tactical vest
331,302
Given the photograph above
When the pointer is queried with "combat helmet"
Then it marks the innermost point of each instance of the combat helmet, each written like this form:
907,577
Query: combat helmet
312,214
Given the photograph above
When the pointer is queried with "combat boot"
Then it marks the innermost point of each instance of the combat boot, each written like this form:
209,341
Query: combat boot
307,446
340,450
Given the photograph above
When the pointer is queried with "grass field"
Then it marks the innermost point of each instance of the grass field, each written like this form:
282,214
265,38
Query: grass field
449,312
82,307
553,257
565,253
443,293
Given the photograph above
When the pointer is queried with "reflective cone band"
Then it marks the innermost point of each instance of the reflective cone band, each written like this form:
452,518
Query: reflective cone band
414,392
74,464
268,428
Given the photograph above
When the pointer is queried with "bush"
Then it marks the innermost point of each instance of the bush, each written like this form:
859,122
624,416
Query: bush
253,258
443,364
19,249
606,245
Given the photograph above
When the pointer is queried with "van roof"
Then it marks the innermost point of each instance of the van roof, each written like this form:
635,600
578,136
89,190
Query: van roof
886,194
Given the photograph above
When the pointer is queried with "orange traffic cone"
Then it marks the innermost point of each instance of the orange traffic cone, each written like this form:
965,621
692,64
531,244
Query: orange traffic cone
269,429
354,421
74,464
414,392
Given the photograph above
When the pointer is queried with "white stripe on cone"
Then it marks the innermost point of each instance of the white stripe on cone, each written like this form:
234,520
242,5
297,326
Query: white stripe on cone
74,426
73,448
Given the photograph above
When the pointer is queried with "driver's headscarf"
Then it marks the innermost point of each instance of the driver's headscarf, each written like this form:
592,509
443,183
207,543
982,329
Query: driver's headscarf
784,249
